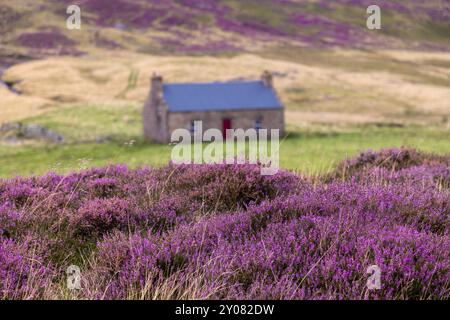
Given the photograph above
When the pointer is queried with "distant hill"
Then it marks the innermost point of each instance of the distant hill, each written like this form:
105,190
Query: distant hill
36,28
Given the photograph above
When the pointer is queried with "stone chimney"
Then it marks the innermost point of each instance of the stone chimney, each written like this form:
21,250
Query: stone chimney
157,83
267,79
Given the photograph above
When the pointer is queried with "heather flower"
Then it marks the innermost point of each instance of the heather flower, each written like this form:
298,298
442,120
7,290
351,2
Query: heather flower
99,216
22,274
390,159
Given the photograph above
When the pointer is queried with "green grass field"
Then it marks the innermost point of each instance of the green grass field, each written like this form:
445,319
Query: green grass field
101,135
340,84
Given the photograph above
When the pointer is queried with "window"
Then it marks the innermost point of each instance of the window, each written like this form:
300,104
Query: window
193,129
258,124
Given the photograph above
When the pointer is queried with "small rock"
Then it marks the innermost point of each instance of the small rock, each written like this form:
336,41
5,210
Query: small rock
17,131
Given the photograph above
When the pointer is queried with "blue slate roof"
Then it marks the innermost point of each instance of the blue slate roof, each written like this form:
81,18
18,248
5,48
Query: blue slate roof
215,96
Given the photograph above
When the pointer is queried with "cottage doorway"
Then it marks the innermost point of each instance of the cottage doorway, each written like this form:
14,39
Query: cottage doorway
226,124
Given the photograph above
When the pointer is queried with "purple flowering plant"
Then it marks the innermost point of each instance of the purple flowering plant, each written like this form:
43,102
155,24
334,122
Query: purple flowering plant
226,232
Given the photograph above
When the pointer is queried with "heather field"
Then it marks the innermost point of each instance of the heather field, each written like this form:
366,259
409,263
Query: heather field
210,26
226,232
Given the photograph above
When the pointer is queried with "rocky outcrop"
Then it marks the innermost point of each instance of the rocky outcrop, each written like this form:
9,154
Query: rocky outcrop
15,132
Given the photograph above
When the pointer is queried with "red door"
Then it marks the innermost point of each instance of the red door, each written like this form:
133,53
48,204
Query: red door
226,124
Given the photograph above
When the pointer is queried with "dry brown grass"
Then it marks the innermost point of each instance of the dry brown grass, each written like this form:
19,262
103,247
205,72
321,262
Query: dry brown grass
13,107
345,94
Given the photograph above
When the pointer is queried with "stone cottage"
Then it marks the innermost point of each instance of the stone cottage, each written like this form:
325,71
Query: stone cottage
220,105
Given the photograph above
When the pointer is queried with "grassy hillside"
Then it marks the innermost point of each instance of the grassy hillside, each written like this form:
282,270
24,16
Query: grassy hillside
345,88
37,28
381,85
338,103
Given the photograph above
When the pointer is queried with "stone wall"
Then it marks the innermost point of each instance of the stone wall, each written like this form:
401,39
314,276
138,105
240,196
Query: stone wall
242,119
155,114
